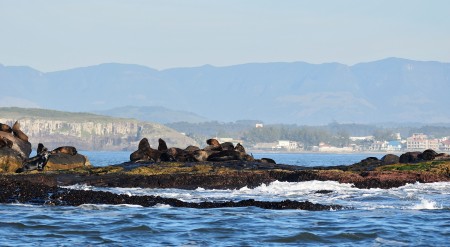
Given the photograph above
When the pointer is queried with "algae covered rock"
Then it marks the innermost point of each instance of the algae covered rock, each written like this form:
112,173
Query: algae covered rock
10,160
63,161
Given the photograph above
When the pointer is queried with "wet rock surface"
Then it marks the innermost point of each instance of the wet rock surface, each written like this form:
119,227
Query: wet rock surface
15,191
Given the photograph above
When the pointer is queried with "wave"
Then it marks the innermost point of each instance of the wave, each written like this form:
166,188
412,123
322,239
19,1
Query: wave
415,196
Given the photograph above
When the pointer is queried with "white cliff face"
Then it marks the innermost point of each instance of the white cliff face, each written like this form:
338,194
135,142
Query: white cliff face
96,135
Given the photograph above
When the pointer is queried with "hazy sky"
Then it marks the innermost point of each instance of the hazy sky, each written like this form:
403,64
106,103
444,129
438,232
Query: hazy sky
57,34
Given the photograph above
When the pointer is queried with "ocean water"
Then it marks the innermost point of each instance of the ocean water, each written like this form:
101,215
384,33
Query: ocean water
411,215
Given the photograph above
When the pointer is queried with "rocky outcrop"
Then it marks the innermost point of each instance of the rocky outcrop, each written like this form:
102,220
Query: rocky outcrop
22,191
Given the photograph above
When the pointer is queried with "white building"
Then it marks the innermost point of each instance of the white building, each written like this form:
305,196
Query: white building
420,141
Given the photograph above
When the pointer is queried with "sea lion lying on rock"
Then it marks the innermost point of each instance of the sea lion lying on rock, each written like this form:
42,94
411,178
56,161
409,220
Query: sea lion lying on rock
18,132
226,155
5,128
64,150
145,152
5,142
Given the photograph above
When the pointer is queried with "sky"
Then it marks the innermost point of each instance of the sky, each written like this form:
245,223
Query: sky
60,34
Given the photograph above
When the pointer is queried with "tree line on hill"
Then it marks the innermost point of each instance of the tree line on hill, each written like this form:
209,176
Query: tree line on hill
334,134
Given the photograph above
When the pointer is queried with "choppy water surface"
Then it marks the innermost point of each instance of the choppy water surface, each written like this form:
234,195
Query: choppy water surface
415,214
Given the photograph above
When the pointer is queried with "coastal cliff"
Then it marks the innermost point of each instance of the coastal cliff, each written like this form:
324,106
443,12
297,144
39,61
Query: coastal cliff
88,131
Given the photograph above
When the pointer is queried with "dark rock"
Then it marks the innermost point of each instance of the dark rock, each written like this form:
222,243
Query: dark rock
323,191
390,159
13,190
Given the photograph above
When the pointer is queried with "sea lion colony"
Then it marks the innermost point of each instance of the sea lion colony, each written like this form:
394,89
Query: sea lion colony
215,151
37,162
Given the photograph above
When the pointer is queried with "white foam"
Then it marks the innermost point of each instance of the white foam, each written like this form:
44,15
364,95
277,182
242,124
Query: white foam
410,196
426,204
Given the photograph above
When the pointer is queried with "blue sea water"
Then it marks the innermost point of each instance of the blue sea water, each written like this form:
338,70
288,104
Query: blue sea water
412,215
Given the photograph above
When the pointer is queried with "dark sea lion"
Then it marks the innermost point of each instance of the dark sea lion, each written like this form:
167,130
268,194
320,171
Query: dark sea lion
40,148
162,146
143,144
37,162
268,160
227,155
138,155
239,148
5,128
5,142
191,149
65,150
18,133
227,146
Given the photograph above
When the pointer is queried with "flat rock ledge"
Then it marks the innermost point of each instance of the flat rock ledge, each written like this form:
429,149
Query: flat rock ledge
15,191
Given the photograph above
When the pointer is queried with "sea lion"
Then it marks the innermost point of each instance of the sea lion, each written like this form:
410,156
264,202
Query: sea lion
162,146
5,128
191,149
214,145
37,162
213,142
143,144
239,148
5,142
65,150
41,148
202,155
268,160
145,152
227,155
227,146
18,133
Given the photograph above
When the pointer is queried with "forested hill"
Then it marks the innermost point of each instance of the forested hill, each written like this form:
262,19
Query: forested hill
388,90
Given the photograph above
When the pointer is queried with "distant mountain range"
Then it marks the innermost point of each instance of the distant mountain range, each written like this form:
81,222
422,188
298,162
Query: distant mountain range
389,90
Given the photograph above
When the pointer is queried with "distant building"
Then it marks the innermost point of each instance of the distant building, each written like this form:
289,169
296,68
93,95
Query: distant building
286,144
394,146
259,125
361,138
445,145
323,147
420,141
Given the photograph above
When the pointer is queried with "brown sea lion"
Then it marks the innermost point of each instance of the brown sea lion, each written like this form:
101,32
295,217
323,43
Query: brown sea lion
191,149
268,160
213,142
143,144
5,128
214,145
65,150
138,155
227,155
5,142
239,148
162,146
18,133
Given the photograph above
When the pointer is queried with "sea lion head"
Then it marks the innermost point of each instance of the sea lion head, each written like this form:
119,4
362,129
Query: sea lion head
143,144
162,146
5,128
